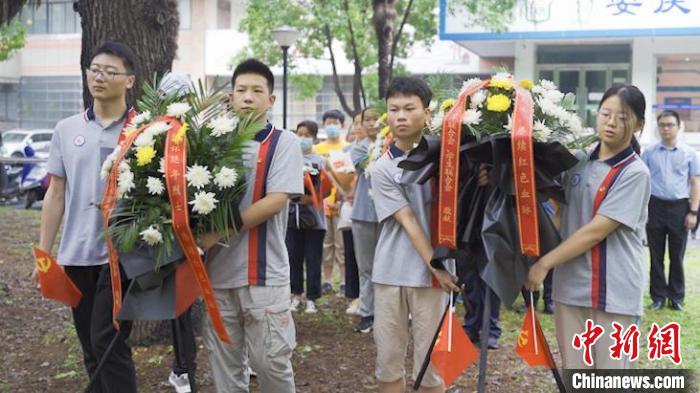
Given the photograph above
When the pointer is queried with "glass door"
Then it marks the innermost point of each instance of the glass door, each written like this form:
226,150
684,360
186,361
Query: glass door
587,82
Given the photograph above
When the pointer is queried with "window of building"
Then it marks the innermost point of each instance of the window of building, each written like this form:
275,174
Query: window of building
678,88
51,17
9,97
46,100
184,7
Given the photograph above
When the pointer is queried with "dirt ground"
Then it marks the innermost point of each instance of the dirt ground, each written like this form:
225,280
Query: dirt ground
39,351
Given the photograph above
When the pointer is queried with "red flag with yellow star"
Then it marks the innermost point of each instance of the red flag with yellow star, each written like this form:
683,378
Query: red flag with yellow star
453,351
532,346
53,281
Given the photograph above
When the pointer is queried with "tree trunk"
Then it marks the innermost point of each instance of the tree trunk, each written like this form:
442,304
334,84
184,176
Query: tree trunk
383,20
9,9
150,28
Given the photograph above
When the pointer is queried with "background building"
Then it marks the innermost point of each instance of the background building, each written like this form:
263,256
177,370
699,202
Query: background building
586,46
42,82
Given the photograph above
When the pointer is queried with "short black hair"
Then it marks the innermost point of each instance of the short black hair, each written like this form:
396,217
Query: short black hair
670,113
310,125
334,114
254,66
410,86
120,50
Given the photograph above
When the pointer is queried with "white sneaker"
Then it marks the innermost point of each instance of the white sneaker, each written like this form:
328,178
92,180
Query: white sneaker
296,302
310,307
181,383
353,308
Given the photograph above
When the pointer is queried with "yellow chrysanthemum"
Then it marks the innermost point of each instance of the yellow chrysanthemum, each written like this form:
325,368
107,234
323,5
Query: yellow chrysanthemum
447,105
385,130
180,133
498,103
382,118
506,84
526,83
144,155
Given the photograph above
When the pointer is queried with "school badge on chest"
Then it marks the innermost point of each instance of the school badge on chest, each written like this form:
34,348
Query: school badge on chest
79,140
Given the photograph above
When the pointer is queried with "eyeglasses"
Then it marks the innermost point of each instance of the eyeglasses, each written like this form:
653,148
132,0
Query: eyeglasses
668,125
93,72
604,116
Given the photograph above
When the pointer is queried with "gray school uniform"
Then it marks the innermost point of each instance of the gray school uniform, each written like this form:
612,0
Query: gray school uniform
620,264
363,206
316,161
231,267
78,147
396,261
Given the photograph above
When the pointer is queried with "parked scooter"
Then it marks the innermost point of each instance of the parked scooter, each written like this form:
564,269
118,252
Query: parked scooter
28,181
35,180
10,182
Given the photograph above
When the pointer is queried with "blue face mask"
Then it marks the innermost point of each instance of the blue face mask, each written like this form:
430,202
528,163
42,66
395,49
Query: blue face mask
333,131
306,143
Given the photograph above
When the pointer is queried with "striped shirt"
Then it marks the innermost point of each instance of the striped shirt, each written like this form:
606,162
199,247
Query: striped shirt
611,276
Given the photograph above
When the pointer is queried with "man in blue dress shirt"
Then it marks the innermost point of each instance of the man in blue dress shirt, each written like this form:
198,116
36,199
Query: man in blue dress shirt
673,209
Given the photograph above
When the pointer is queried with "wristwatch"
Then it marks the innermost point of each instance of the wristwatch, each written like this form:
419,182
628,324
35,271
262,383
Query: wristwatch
693,212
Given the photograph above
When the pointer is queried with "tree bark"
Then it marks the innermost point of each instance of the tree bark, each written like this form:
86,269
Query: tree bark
150,28
383,21
9,9
336,78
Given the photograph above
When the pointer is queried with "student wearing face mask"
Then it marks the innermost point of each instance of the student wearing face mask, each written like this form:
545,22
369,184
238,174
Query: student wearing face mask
306,226
333,249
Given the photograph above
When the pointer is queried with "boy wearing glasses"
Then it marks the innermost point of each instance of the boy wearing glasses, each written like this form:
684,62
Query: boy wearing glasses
673,209
78,148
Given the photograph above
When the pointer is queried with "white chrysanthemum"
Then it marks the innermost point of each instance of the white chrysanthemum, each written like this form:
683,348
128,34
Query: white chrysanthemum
124,166
537,89
540,131
226,178
547,85
469,83
509,127
198,176
574,124
161,166
548,107
436,121
144,139
553,95
106,168
178,109
203,203
151,236
155,186
156,129
125,183
140,119
107,164
222,125
477,99
471,117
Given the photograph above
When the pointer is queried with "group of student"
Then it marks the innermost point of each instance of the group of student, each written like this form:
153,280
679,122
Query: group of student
400,293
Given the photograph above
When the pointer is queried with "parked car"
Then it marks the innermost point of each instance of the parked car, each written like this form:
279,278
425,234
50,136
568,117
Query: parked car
14,141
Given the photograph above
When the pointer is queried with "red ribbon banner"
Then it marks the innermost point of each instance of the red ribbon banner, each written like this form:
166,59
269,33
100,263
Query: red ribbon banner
449,169
524,172
108,202
175,169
